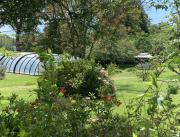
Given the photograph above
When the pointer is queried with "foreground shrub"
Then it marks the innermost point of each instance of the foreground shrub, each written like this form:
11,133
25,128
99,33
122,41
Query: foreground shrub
143,74
83,77
56,113
65,117
154,114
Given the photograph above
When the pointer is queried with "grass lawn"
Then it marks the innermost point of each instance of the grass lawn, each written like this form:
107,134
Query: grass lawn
22,85
128,85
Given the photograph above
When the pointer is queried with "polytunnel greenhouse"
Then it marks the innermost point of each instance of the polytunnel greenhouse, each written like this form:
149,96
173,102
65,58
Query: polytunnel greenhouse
23,63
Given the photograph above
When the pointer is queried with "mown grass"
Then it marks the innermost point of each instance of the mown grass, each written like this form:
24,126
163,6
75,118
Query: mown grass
22,85
128,85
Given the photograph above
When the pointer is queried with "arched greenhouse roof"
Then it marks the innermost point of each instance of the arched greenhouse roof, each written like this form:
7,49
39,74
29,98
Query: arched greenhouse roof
23,63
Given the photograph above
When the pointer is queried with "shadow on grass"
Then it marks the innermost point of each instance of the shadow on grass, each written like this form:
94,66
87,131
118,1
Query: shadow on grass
130,88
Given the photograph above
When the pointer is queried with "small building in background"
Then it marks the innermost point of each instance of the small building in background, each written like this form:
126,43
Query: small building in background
144,59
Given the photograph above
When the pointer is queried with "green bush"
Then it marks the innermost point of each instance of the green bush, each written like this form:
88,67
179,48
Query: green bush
80,76
173,89
143,74
112,69
83,77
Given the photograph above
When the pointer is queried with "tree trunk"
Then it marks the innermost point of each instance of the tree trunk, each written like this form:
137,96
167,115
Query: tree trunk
18,45
90,52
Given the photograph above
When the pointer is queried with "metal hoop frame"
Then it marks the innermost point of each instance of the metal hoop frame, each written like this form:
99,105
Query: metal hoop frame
19,63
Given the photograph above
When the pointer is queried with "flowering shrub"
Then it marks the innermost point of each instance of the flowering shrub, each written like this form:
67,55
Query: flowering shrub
72,77
83,77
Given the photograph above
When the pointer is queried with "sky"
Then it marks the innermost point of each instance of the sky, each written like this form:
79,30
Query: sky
156,16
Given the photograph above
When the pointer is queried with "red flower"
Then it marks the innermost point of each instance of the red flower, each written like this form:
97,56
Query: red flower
62,90
107,98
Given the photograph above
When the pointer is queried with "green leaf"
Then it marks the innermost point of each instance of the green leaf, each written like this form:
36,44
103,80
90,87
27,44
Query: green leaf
134,135
22,133
154,80
49,51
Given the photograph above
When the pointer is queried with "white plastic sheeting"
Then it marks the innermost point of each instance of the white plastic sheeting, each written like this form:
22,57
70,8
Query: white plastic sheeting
24,63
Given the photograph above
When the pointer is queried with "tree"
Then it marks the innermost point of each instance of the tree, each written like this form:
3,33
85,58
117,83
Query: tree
174,62
78,26
21,15
75,26
156,41
121,53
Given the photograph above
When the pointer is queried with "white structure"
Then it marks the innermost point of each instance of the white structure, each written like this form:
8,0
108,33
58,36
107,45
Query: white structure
144,56
24,63
143,59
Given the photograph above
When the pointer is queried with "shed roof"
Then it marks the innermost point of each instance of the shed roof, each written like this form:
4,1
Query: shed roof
144,56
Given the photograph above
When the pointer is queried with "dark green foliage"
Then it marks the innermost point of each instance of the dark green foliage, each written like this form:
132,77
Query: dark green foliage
120,53
90,23
24,18
143,43
173,89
